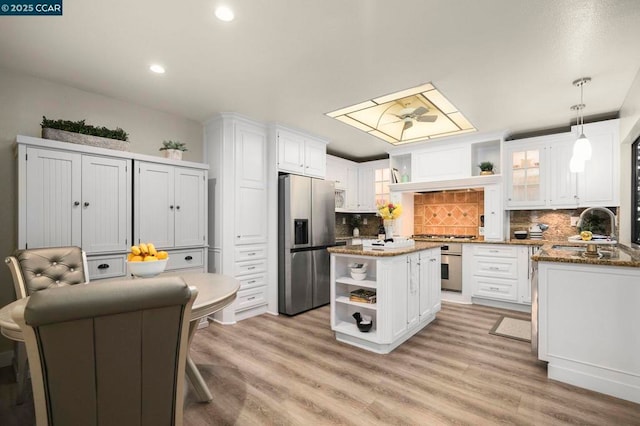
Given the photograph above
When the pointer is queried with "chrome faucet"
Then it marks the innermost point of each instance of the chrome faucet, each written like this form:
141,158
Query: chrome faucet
602,209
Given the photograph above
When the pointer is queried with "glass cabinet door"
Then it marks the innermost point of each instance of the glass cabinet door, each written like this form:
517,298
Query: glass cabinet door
525,178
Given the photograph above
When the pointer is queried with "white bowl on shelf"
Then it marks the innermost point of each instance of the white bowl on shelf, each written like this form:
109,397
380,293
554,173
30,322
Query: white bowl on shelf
147,269
358,276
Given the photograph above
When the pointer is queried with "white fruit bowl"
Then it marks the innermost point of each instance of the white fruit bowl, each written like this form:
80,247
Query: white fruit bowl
147,269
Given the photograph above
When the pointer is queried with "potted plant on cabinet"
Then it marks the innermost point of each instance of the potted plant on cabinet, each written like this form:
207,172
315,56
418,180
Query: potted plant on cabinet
356,222
173,149
486,168
84,134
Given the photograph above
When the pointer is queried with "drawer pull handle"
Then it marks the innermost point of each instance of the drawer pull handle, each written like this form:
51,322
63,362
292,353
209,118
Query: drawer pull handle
188,258
494,288
251,254
251,298
103,266
494,268
251,267
251,282
494,251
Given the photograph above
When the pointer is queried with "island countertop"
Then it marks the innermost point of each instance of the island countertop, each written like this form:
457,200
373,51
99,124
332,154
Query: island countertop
358,250
619,255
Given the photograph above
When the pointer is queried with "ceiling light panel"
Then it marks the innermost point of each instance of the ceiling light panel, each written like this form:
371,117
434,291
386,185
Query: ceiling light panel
224,13
410,115
157,68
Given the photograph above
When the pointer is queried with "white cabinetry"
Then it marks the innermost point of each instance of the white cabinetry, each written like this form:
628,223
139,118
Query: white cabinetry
337,171
301,154
408,297
361,186
442,163
538,176
170,205
237,152
70,198
494,215
497,271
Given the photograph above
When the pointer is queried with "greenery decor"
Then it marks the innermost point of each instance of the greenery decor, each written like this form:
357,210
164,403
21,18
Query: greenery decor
356,220
593,223
180,146
486,166
85,129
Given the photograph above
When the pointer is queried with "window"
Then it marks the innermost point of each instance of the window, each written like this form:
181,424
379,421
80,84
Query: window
382,180
635,192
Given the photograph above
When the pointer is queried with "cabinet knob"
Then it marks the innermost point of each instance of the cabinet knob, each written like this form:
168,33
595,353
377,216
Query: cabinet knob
171,207
177,207
301,165
76,203
86,204
432,260
509,199
237,236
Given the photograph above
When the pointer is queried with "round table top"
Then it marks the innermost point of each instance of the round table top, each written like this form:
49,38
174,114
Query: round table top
215,291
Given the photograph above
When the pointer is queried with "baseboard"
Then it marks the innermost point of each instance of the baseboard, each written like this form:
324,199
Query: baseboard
6,358
500,304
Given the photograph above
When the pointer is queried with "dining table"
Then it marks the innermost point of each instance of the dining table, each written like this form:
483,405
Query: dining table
215,291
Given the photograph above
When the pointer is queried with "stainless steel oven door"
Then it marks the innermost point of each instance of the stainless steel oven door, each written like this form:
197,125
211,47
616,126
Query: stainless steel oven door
451,278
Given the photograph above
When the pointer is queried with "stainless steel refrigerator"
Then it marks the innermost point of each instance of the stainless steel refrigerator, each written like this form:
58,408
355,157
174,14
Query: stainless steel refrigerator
306,220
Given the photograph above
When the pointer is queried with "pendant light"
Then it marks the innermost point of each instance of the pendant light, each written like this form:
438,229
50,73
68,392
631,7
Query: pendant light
582,146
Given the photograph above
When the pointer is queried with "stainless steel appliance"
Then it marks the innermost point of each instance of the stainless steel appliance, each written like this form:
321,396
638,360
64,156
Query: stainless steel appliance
451,264
306,221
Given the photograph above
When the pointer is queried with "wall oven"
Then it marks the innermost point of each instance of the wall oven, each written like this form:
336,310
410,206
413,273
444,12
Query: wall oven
451,267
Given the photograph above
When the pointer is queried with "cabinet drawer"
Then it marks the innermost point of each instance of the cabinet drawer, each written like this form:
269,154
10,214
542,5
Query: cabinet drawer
250,253
106,266
250,267
252,297
253,281
496,288
501,267
495,250
181,259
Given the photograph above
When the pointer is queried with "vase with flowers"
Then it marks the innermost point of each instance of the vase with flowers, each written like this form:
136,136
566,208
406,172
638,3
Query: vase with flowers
389,212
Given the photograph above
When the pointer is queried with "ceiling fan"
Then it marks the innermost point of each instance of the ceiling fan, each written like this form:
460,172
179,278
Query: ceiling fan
409,115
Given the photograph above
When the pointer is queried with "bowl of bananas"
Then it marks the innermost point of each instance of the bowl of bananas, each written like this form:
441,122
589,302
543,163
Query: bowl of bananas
144,261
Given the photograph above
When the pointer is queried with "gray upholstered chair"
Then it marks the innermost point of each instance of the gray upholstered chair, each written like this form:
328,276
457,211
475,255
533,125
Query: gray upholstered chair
37,269
111,353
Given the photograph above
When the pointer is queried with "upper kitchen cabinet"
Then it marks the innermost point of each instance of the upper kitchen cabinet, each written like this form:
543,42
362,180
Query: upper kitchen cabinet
337,171
170,205
69,198
538,175
301,154
367,184
446,159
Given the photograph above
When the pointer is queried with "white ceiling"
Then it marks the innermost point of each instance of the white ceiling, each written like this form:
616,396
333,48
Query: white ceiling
506,64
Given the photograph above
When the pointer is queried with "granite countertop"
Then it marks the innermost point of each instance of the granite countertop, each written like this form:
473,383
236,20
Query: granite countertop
478,241
620,255
358,250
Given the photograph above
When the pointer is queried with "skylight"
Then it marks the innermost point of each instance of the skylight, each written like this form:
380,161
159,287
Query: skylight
410,115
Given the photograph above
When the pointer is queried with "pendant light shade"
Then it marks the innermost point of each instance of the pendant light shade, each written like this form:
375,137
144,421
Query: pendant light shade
582,146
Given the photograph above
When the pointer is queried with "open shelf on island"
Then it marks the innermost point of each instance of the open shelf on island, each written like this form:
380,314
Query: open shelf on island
345,299
361,283
351,329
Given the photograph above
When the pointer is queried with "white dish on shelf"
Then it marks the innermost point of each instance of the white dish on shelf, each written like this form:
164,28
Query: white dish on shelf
358,276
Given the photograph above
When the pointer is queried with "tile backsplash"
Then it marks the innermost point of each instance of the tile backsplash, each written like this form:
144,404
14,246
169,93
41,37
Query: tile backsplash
559,222
346,229
448,212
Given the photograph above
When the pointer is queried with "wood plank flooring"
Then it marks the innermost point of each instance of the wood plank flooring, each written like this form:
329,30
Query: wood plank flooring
278,370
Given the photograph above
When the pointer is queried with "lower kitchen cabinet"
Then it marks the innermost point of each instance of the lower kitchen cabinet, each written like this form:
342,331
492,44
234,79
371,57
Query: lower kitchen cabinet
407,288
497,272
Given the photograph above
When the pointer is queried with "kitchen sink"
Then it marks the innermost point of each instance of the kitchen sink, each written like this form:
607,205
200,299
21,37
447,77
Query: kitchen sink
608,253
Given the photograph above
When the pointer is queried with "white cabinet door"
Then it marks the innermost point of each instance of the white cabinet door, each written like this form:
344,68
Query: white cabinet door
599,184
53,198
155,202
493,213
413,290
395,310
441,163
291,152
366,190
563,188
337,172
430,274
525,167
105,204
352,189
315,158
250,183
189,211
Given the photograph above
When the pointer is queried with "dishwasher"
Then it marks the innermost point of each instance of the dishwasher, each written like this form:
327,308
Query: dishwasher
451,266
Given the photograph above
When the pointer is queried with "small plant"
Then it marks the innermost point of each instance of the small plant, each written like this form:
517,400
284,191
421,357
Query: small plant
180,146
85,129
486,166
593,223
356,220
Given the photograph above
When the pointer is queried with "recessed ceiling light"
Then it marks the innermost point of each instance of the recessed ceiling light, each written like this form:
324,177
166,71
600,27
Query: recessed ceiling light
225,14
158,69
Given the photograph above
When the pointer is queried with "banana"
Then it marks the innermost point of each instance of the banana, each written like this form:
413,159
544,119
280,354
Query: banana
135,250
136,258
162,255
143,248
150,258
152,249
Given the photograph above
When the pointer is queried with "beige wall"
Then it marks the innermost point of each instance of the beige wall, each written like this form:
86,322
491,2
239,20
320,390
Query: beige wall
629,132
23,102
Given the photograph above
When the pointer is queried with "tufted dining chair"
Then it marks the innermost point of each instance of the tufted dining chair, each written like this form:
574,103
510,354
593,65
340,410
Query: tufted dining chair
38,269
112,353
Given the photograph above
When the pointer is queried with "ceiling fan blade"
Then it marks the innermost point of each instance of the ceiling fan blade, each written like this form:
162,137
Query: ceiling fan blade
419,111
427,118
407,125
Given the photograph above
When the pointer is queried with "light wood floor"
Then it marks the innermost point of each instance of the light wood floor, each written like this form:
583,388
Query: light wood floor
291,371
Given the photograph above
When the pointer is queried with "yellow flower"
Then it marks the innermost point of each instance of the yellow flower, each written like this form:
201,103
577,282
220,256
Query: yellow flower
389,211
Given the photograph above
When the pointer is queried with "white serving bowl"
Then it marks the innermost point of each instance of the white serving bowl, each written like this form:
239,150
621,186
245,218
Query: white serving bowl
358,275
147,269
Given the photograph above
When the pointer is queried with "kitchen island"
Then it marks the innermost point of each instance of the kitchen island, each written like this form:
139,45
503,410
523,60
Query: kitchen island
588,319
406,284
